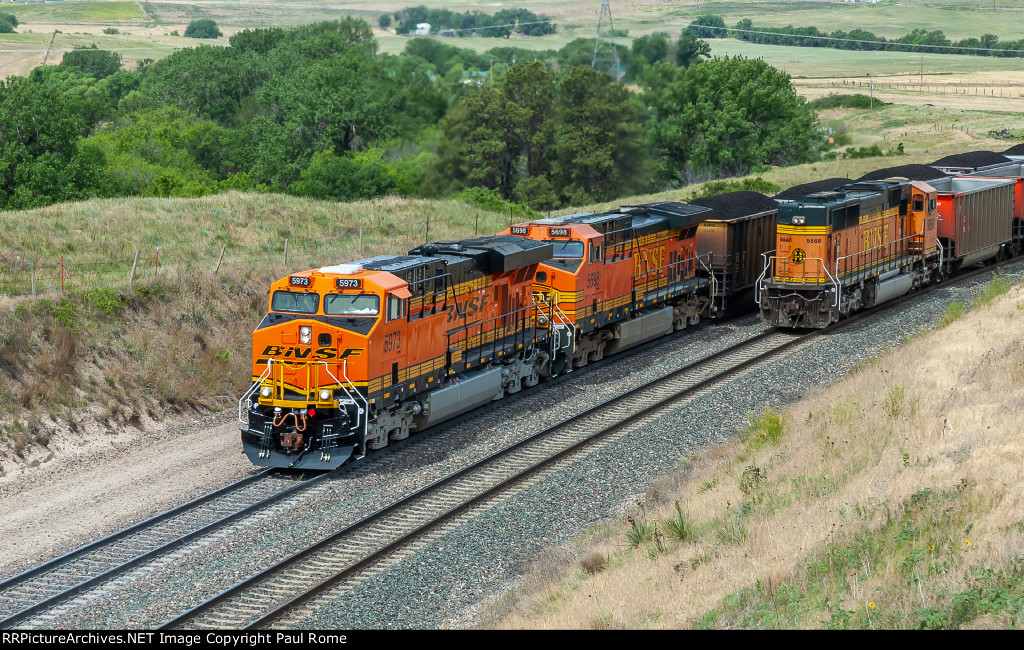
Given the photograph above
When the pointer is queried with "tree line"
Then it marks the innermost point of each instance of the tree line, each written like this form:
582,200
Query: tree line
475,23
918,40
317,111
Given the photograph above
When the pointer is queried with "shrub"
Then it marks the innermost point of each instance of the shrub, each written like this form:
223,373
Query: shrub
202,29
842,101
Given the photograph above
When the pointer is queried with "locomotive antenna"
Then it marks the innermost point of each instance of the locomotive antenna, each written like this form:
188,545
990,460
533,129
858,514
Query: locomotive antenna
606,57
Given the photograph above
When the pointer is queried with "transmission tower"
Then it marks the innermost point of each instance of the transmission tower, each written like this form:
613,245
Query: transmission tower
606,57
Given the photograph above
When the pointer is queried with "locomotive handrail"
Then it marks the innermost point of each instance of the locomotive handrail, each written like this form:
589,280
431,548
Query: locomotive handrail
677,265
889,244
834,281
365,408
245,396
766,262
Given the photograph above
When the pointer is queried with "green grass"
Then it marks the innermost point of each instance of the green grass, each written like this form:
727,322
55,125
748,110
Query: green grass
827,62
76,12
918,545
957,19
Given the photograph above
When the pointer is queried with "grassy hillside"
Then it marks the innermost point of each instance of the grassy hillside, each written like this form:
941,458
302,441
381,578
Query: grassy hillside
890,500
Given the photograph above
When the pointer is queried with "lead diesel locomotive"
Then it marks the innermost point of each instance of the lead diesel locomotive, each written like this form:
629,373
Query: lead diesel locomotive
353,356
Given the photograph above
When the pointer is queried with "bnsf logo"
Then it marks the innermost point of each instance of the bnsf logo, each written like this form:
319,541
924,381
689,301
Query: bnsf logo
296,352
468,307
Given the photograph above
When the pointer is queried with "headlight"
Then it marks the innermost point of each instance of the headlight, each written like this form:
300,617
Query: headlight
266,391
305,334
325,395
799,221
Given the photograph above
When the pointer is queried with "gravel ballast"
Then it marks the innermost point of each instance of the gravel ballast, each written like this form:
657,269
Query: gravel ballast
455,574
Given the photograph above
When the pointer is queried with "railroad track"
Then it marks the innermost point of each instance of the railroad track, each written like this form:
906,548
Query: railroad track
293,587
40,593
284,594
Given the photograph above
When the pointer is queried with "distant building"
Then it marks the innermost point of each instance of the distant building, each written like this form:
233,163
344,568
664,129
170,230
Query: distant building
422,29
446,32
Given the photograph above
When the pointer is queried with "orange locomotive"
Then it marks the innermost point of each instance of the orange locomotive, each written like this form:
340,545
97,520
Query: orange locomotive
620,278
837,252
353,356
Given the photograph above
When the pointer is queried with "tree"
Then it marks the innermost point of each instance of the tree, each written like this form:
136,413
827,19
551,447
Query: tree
92,61
690,51
7,23
384,21
350,177
203,28
479,144
39,161
726,117
706,26
598,145
531,87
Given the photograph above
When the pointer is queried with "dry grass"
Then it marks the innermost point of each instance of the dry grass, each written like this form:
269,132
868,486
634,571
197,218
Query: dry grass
869,501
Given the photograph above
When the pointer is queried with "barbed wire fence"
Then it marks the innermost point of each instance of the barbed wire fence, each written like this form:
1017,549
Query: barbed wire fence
64,274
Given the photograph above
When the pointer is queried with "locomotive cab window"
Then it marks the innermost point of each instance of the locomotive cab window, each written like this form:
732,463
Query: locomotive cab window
396,308
918,204
295,302
343,304
595,253
568,249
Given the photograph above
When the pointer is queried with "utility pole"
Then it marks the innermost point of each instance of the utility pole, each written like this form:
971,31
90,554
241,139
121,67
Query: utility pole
606,57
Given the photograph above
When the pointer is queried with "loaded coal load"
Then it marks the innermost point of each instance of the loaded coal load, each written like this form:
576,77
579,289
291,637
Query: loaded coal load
739,231
1015,150
910,172
965,163
827,185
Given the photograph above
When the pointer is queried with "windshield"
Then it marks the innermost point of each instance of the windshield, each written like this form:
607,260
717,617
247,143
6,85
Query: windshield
294,301
568,248
362,304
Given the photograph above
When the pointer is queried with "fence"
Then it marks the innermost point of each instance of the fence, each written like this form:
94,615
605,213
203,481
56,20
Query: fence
65,274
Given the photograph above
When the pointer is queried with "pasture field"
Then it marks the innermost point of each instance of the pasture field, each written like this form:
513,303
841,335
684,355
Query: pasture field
957,19
112,12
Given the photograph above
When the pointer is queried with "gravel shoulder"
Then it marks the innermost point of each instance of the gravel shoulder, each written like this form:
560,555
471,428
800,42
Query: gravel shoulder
103,483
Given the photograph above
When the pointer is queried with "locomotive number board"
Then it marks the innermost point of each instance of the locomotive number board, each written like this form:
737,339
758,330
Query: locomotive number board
349,283
520,230
558,232
298,281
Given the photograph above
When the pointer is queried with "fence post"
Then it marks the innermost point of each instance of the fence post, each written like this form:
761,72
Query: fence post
222,248
33,280
360,240
426,235
131,276
156,272
62,274
286,252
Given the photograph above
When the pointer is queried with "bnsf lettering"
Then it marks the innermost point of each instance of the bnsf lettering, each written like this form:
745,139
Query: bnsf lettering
296,352
649,259
876,237
468,307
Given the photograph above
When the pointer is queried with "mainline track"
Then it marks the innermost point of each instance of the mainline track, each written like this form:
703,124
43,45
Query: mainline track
41,591
283,594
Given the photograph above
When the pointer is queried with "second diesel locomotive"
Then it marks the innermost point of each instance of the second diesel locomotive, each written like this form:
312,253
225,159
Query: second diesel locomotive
869,242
